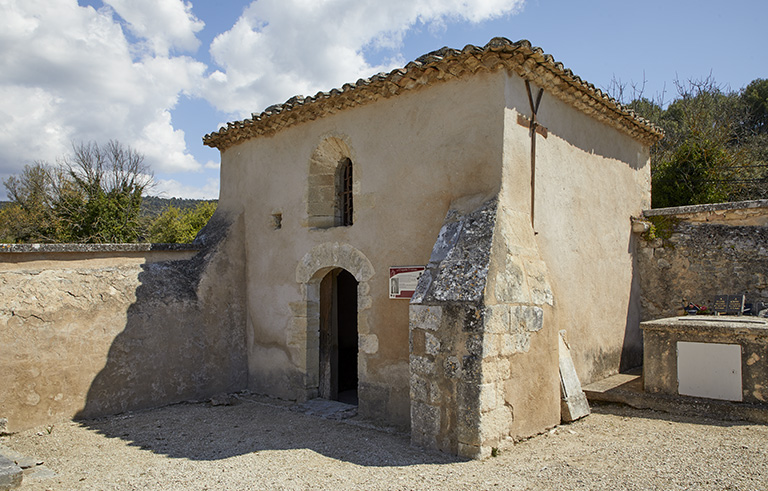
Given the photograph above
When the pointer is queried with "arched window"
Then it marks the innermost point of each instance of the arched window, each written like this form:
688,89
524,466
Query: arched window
344,194
330,184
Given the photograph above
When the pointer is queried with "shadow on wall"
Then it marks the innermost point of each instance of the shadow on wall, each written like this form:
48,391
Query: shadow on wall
632,348
202,432
184,337
577,128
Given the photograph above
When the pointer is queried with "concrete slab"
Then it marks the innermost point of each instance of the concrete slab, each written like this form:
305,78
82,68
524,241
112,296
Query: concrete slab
11,475
38,473
32,468
12,455
627,388
327,409
573,404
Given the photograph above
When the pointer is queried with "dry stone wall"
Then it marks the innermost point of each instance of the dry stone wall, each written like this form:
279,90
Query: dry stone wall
701,252
446,335
94,330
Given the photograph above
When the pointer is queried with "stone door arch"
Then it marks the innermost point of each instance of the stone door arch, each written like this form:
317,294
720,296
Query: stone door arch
311,270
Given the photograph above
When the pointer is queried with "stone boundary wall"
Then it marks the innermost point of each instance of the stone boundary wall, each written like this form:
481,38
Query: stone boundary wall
94,329
113,249
702,251
736,213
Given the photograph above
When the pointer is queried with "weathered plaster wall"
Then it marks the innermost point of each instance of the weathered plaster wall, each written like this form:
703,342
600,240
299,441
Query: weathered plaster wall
698,257
589,180
412,155
521,332
92,333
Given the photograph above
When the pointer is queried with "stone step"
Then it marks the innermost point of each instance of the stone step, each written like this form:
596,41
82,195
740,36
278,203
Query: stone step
11,474
627,388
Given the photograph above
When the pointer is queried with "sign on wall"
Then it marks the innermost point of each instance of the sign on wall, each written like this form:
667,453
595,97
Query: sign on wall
403,280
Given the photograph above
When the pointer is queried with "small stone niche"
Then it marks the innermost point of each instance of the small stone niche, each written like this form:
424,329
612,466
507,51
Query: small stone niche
277,221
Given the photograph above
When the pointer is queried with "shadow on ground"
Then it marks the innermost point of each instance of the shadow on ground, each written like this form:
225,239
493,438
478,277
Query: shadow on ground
201,431
618,409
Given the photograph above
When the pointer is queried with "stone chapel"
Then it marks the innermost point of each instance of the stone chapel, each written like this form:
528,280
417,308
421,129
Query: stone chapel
415,242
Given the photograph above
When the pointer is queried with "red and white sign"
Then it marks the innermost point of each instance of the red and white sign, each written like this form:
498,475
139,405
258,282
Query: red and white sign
403,280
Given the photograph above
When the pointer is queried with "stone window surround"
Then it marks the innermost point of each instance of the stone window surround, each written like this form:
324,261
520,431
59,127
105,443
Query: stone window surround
325,184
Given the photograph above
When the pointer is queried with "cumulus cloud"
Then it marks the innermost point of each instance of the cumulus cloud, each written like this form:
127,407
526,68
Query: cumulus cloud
160,142
68,73
164,24
280,48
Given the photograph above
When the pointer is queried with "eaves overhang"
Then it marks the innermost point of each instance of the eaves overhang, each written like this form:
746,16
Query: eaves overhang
529,62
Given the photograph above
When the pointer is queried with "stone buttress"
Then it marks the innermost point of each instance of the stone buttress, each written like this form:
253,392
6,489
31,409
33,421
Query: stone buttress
483,365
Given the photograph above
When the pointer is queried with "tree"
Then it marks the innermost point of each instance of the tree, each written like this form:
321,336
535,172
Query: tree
13,220
712,150
691,175
181,226
753,141
755,96
695,161
100,199
30,217
93,195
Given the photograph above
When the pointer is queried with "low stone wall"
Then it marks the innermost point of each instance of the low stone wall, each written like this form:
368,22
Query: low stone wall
702,251
737,213
90,330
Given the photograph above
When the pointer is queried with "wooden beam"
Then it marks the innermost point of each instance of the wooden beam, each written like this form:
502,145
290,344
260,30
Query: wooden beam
534,127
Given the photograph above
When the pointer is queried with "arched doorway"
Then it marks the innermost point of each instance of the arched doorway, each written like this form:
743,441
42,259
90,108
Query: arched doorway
338,336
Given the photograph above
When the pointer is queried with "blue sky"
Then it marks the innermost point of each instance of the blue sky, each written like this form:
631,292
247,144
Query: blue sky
159,74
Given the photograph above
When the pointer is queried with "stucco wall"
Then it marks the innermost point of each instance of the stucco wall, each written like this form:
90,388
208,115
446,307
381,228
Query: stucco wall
590,179
412,155
700,254
92,333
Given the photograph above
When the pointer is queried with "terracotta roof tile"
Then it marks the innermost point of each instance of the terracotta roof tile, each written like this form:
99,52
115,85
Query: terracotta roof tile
527,61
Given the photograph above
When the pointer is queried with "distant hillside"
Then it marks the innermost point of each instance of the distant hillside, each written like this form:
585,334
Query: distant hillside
152,206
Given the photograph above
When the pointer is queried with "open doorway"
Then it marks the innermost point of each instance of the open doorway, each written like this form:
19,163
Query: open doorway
338,336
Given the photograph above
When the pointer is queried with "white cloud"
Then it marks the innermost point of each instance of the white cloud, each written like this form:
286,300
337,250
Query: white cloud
160,142
281,48
171,188
68,73
25,128
165,24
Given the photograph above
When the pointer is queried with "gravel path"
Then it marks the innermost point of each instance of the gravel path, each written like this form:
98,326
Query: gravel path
259,444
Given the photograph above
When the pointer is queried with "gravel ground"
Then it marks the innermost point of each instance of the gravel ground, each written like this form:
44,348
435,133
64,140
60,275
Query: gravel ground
258,443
